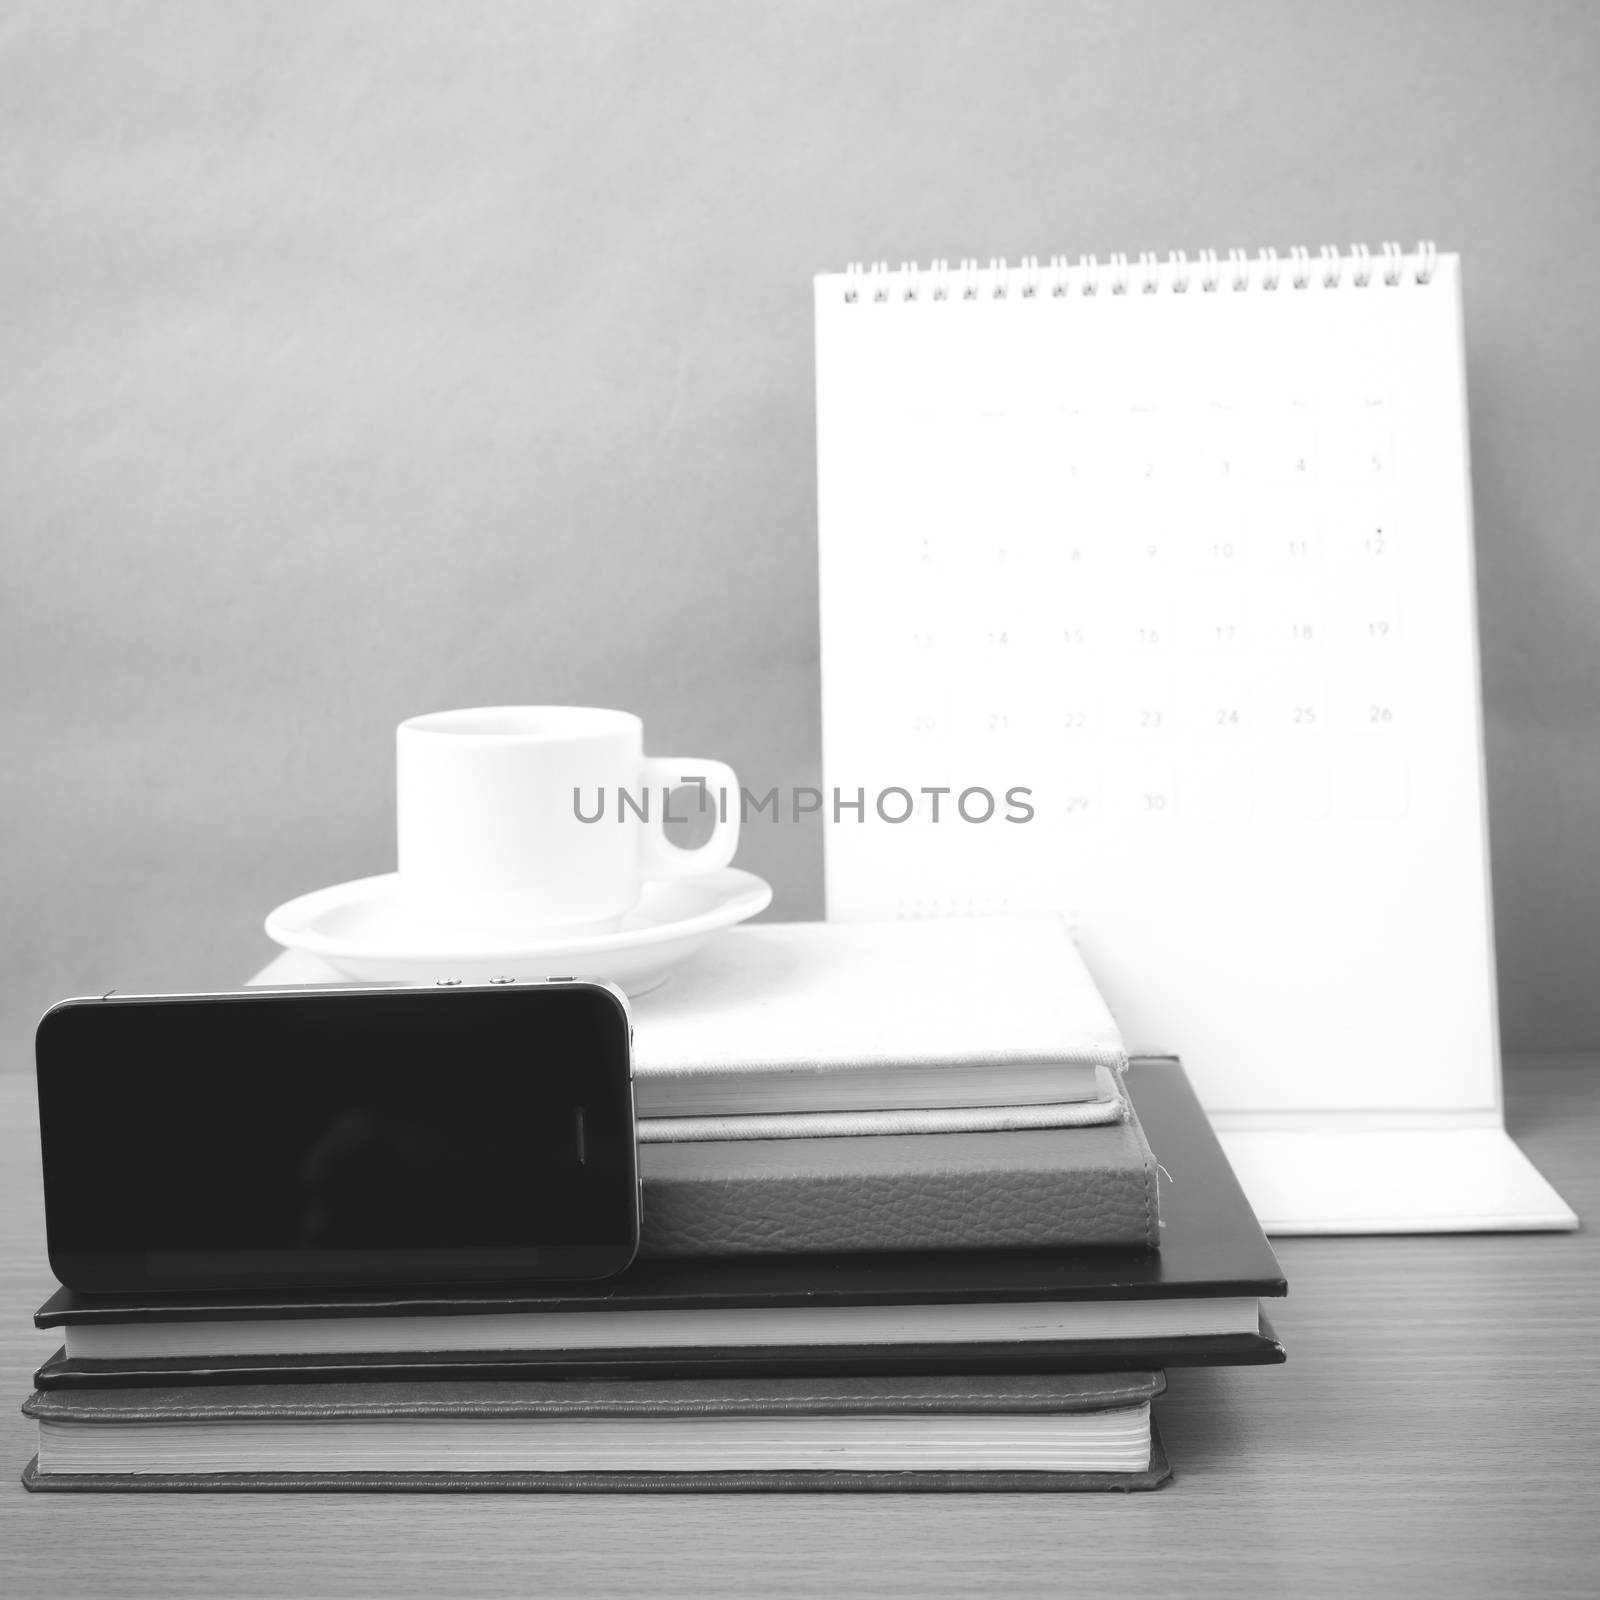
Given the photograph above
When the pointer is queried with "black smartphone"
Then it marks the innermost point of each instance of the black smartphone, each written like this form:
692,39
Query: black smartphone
328,1138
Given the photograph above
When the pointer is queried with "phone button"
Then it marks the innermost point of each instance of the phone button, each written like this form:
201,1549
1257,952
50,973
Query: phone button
502,980
447,983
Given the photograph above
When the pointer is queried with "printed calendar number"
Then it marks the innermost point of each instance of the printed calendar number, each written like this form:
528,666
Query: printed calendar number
1143,792
1363,445
1376,623
1140,705
1143,625
1288,537
1212,622
1374,704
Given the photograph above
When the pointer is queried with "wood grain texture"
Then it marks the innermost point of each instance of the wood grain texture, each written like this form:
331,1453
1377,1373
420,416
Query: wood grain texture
1434,1432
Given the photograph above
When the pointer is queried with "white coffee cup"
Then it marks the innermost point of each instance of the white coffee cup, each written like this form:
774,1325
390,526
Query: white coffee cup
491,806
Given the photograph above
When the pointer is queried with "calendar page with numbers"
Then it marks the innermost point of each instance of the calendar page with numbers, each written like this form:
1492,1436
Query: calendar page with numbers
1171,560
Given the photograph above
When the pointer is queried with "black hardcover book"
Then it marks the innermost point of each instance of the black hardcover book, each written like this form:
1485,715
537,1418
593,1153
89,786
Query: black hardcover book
1195,1301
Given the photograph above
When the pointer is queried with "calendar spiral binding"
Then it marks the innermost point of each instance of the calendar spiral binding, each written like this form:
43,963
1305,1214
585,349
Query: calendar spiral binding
1060,278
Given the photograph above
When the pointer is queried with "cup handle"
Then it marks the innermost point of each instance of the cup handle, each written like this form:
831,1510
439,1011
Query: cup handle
719,789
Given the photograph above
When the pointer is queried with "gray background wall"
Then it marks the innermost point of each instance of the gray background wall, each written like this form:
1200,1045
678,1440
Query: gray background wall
359,359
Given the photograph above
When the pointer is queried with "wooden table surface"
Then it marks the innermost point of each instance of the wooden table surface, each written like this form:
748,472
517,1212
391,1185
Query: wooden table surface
1435,1431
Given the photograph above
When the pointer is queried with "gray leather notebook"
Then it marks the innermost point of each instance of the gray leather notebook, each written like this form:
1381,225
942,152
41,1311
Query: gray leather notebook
1020,1189
916,1434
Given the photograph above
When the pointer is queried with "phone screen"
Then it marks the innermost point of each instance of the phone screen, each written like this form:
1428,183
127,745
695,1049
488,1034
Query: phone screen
393,1136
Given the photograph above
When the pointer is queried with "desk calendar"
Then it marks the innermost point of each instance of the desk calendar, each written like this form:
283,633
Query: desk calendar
1183,549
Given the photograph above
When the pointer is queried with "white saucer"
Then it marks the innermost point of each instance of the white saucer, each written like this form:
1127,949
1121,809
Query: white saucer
365,930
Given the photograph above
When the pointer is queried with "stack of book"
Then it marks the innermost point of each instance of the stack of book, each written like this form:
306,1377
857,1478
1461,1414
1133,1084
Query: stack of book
905,1227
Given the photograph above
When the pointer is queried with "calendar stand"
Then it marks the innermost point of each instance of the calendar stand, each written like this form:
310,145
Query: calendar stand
1183,549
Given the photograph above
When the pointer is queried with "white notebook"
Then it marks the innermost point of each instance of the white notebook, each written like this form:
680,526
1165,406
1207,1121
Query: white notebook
1182,548
927,1021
